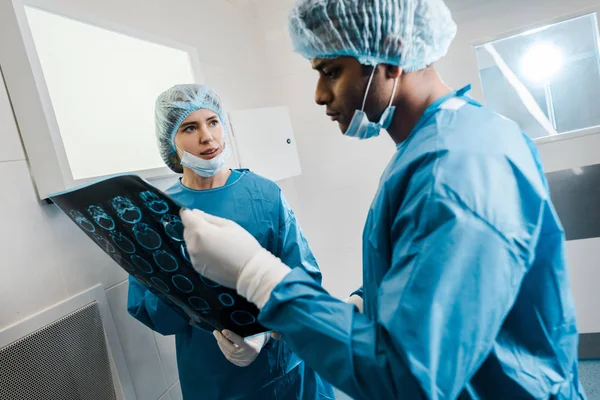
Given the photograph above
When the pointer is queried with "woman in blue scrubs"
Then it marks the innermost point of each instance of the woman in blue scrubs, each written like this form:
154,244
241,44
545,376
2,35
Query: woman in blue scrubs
191,127
465,280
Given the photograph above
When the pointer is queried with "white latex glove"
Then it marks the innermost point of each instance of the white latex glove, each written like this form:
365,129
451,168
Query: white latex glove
239,351
226,253
213,241
357,301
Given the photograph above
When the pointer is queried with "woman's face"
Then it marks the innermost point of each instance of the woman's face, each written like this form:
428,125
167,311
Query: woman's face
200,134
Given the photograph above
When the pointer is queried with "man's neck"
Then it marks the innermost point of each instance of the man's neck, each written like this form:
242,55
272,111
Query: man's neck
194,181
419,92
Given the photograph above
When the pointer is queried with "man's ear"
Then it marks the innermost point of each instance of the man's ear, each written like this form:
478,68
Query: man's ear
392,71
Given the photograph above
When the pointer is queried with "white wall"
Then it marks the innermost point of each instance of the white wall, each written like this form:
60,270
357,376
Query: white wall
45,257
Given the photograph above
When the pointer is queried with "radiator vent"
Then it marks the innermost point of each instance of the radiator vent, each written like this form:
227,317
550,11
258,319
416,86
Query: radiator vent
65,360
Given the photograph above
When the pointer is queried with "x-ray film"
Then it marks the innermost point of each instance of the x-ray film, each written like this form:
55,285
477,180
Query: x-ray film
139,227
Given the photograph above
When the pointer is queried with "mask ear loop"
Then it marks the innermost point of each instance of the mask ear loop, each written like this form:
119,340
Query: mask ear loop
393,92
175,147
386,112
177,150
368,87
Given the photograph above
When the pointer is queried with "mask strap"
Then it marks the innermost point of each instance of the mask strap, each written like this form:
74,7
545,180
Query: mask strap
182,152
393,92
368,86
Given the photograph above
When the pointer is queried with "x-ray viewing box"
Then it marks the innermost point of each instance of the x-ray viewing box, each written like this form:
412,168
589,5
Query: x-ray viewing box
83,94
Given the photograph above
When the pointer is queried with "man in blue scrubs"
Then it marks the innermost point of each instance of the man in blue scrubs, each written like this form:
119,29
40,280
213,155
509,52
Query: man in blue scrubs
465,282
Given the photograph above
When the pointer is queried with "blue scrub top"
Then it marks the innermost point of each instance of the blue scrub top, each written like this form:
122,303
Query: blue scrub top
465,279
258,205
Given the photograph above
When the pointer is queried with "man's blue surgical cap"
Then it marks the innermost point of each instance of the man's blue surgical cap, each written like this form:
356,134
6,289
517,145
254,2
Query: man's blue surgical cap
411,34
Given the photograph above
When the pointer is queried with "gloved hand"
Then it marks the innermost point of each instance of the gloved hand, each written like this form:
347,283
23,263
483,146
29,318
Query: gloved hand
355,300
218,248
239,351
226,253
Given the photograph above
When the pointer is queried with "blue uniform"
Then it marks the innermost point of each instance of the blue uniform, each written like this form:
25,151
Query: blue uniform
258,205
465,282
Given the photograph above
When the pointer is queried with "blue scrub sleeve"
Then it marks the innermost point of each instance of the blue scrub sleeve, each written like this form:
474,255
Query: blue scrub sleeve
293,247
452,281
151,311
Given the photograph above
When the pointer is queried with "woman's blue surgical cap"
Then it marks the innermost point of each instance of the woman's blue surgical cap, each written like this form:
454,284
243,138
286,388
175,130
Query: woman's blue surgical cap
411,34
173,107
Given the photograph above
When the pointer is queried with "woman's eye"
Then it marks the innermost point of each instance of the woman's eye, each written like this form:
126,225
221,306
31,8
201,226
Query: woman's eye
189,129
214,123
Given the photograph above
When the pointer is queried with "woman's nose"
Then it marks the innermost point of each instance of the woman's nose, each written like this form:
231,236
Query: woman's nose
205,136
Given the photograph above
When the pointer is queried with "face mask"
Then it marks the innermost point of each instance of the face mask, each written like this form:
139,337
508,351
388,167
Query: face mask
360,126
205,168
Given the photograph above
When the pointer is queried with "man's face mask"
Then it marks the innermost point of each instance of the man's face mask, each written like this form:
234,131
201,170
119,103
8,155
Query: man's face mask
361,127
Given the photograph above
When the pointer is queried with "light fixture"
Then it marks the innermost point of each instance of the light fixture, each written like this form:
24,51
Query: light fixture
541,62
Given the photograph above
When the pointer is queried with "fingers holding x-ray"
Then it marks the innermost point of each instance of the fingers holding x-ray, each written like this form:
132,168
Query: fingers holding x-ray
356,301
239,351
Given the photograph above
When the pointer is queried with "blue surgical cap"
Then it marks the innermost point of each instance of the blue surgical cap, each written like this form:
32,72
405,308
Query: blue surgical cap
173,107
411,34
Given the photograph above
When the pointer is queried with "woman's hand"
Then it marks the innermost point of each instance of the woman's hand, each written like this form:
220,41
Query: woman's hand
239,351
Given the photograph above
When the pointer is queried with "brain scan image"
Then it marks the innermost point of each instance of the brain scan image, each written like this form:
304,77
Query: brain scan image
165,261
160,284
242,318
123,263
142,264
198,303
103,243
226,299
154,203
101,218
146,236
208,283
173,227
122,242
82,221
126,210
184,253
139,227
182,283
